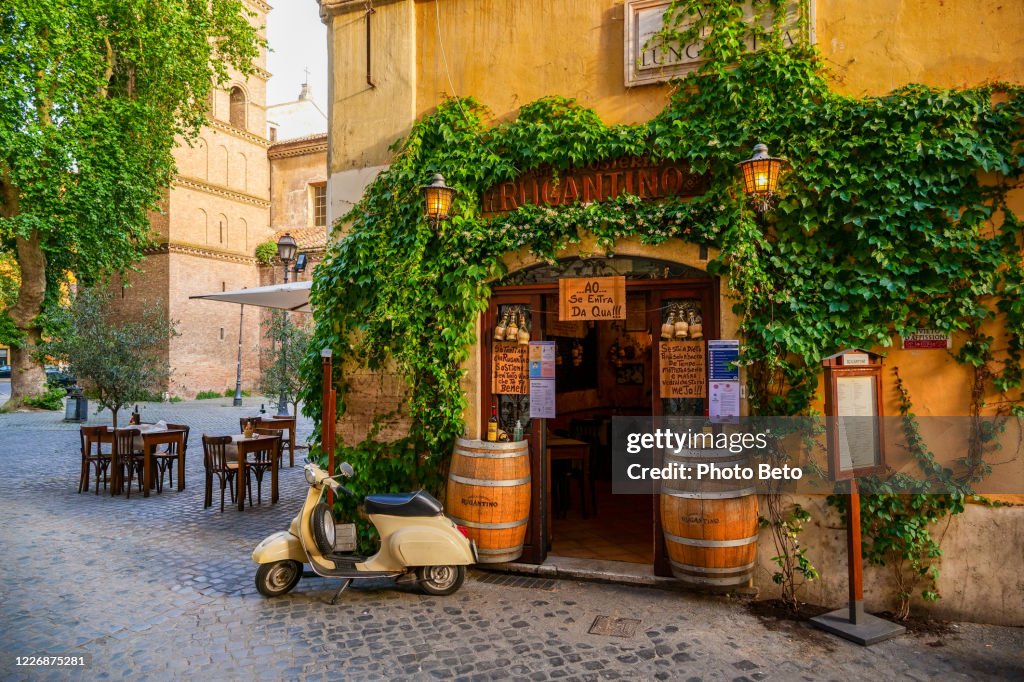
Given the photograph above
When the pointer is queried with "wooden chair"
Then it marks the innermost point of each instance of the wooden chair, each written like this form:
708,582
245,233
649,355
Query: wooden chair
217,463
588,431
242,421
167,459
130,458
93,457
285,426
264,459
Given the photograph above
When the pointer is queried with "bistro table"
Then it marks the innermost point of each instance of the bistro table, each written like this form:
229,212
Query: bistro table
150,436
241,446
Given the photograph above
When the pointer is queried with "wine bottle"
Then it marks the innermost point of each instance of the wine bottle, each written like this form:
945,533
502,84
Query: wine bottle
492,425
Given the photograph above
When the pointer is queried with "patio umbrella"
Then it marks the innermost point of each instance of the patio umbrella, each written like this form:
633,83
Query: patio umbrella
293,296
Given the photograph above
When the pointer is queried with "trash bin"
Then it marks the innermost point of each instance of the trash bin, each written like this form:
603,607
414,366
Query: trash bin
77,407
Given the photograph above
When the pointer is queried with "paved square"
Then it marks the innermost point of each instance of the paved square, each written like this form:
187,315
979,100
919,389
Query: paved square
160,588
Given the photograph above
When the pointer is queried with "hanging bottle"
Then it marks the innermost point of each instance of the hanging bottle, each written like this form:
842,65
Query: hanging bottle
512,330
668,329
517,433
682,328
696,326
499,331
524,333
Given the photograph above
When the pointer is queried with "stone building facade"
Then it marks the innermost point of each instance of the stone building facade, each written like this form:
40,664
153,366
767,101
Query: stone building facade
390,66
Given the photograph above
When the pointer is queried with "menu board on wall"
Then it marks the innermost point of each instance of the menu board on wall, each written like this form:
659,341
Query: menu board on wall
592,298
856,412
509,368
683,369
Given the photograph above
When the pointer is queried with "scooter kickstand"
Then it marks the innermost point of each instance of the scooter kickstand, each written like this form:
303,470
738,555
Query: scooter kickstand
344,586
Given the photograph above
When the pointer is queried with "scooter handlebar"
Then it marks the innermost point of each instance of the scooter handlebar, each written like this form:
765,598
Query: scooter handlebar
338,487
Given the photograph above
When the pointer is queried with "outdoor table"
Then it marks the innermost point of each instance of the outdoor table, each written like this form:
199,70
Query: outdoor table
242,446
286,424
151,436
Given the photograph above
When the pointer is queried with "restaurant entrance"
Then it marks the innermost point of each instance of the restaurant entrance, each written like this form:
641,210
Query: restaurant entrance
603,369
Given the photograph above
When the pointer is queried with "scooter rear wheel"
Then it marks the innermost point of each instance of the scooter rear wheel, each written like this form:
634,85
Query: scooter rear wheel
278,577
441,580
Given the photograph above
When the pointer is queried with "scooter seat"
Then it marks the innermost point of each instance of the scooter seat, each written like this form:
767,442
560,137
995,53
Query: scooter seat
419,503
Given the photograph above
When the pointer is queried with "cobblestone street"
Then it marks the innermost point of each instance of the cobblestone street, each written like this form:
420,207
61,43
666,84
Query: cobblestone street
160,588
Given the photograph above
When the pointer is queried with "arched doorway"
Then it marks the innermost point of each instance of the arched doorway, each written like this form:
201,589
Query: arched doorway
603,369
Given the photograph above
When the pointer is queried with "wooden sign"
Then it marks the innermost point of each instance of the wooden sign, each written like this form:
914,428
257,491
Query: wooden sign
683,369
510,368
592,298
601,181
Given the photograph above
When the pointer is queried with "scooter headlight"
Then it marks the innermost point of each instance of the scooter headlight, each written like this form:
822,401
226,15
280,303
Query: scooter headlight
310,476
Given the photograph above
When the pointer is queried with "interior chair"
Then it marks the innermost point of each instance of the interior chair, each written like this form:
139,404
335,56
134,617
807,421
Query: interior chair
94,460
130,457
217,463
588,431
167,458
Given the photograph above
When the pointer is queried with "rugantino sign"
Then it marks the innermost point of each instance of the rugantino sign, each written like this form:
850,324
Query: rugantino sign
600,182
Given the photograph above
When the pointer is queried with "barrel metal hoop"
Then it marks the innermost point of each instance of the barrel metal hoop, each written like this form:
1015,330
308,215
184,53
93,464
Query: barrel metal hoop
494,552
723,495
490,526
491,455
697,580
705,569
694,542
489,483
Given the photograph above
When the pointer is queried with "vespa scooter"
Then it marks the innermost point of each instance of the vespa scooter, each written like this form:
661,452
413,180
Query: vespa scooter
417,543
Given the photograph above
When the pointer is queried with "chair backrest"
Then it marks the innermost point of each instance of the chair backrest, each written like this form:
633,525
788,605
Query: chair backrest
124,441
278,426
90,435
242,421
180,427
215,450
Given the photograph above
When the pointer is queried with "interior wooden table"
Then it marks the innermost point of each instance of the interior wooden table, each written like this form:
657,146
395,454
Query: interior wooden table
243,446
560,448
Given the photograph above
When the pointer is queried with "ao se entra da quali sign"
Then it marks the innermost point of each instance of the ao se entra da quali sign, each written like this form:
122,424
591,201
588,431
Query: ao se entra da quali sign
602,181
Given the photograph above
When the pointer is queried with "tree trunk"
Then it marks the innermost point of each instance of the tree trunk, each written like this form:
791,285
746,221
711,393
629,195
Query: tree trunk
28,378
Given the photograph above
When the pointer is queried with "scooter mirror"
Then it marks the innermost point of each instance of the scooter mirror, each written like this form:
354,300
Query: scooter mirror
346,469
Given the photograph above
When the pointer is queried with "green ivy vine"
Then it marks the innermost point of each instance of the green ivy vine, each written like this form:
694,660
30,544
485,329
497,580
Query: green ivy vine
894,216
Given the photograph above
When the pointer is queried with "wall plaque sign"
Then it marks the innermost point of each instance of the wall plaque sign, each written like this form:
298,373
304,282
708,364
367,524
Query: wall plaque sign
646,62
592,298
927,339
683,369
509,368
601,181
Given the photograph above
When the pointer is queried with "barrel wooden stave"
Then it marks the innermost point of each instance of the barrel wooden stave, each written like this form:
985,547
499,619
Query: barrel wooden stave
489,494
710,529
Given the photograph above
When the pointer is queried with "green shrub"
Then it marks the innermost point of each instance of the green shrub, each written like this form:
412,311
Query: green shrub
175,399
206,395
53,399
230,393
266,252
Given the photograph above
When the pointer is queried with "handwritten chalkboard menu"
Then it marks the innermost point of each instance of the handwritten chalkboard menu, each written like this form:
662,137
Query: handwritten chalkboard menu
592,298
509,368
683,369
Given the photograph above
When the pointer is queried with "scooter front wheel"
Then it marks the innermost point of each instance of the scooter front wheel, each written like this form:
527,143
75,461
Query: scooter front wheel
440,580
278,577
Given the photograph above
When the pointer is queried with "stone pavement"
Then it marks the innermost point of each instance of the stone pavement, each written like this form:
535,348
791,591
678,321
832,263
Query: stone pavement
159,588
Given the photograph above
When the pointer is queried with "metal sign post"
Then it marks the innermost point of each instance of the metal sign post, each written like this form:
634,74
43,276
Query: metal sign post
327,409
853,406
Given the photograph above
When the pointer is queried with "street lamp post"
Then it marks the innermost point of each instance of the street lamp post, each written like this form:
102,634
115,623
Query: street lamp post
237,402
286,248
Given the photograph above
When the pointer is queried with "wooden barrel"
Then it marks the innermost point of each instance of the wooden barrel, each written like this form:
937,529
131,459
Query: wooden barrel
710,527
489,494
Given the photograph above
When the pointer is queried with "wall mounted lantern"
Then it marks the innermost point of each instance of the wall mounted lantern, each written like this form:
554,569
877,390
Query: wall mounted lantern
761,174
438,197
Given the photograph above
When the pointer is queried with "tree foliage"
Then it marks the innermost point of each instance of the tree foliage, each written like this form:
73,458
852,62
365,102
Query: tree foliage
124,362
282,359
96,93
